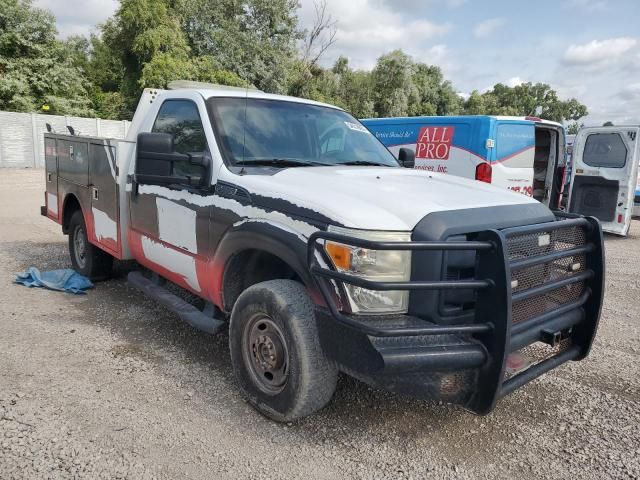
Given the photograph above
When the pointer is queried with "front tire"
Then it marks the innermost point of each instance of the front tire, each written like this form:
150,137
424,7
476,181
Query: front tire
87,259
276,352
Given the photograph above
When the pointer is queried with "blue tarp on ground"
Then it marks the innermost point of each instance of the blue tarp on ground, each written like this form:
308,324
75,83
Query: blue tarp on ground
64,280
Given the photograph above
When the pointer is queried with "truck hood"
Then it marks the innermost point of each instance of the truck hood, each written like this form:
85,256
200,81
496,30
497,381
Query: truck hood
374,198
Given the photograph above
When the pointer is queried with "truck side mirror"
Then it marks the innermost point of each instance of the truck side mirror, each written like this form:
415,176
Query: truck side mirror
155,159
407,157
155,154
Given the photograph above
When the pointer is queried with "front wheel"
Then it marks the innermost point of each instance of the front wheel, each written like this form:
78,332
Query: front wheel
276,352
87,259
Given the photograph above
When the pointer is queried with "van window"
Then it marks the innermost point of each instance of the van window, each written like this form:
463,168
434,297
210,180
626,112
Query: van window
181,119
513,138
605,150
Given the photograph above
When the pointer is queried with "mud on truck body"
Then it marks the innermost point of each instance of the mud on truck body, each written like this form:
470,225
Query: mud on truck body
321,254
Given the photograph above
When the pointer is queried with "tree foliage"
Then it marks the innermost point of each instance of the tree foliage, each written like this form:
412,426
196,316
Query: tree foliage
574,127
148,43
35,68
396,86
527,99
254,39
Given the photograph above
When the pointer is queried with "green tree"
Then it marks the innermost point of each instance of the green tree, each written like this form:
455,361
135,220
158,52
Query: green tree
435,95
145,45
572,128
255,39
394,90
35,67
526,99
608,124
475,104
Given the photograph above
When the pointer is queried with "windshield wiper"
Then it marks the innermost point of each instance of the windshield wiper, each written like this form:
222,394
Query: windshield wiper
364,162
279,162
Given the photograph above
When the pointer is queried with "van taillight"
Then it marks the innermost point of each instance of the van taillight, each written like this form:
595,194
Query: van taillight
483,172
619,218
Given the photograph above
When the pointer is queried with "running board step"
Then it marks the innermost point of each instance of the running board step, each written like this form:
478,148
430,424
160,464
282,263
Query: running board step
186,311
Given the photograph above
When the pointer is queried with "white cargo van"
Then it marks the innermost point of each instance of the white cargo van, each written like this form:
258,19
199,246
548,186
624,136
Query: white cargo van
604,175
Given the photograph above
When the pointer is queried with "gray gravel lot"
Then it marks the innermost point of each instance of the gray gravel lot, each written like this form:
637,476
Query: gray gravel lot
110,385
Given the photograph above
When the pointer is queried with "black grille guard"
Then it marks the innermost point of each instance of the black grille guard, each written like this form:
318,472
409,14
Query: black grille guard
492,326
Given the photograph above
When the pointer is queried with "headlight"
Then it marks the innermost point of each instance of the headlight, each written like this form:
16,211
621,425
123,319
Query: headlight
375,265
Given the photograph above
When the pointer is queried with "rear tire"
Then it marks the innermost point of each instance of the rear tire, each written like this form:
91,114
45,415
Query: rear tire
276,352
87,259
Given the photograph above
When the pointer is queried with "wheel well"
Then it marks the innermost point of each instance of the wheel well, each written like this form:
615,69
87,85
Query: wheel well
249,267
71,204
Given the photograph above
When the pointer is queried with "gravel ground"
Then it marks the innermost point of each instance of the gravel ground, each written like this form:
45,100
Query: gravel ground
110,385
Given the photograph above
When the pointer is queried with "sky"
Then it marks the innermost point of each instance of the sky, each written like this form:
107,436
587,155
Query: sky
587,49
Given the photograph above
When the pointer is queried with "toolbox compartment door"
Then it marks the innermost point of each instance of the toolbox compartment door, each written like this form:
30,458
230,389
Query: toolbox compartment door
51,179
73,160
104,195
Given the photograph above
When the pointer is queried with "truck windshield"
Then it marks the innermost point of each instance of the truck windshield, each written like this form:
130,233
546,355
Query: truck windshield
290,134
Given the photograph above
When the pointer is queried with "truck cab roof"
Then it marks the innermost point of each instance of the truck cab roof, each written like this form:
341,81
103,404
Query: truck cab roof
209,90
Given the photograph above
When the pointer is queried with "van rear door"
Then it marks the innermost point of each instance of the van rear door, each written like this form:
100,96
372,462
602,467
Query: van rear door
604,175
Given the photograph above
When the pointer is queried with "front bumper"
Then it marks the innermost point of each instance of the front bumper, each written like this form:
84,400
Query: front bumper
555,314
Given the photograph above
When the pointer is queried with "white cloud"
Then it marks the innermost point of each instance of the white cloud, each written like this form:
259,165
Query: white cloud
598,52
631,93
413,6
486,28
366,31
514,82
78,17
588,5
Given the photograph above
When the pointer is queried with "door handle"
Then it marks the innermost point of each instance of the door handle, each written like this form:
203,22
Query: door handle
95,193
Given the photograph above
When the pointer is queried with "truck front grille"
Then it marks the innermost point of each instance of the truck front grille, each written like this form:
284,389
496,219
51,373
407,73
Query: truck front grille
537,244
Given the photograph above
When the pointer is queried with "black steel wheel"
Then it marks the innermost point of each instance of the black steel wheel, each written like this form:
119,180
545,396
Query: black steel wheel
265,350
80,243
86,258
276,353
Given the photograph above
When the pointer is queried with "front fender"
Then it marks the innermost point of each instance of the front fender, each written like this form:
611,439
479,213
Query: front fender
276,239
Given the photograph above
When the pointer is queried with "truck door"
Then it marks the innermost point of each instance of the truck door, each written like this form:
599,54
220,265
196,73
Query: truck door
169,224
104,195
604,173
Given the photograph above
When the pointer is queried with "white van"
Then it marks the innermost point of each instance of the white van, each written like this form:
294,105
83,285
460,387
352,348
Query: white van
604,175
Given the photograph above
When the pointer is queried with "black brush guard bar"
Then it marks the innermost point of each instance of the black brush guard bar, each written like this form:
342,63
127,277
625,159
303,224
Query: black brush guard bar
325,273
492,326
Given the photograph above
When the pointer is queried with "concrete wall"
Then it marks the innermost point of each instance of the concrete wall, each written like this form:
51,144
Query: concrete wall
21,135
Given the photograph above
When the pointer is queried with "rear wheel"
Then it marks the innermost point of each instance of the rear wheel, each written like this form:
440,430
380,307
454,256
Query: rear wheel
276,353
87,259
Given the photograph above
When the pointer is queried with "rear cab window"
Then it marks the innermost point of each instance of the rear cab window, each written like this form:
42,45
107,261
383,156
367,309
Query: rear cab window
605,150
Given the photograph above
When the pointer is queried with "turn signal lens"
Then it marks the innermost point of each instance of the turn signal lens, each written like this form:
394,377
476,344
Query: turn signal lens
340,255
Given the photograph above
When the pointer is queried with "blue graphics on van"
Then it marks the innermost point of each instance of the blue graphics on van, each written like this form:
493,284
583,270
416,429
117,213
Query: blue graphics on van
513,138
432,137
435,138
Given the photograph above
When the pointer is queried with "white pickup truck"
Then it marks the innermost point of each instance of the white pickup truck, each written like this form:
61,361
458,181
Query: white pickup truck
319,253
